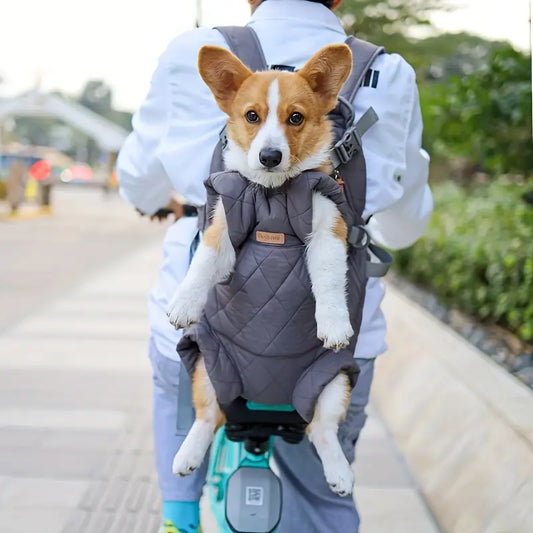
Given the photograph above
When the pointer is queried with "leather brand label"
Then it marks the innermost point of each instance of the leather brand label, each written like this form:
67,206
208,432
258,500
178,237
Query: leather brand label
270,238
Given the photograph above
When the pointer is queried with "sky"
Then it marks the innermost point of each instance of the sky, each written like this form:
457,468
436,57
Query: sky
63,43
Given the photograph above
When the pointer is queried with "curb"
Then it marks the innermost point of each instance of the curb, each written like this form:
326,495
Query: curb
464,424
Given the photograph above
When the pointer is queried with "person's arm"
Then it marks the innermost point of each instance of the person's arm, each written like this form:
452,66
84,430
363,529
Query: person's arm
405,220
142,179
174,131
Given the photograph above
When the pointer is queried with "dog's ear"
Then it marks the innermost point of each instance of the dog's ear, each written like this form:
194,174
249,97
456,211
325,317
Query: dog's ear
223,73
327,71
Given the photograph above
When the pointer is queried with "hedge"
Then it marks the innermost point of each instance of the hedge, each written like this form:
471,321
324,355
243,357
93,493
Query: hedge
477,254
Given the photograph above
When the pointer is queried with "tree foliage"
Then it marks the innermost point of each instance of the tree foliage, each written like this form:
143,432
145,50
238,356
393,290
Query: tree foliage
381,20
485,116
97,96
451,54
392,24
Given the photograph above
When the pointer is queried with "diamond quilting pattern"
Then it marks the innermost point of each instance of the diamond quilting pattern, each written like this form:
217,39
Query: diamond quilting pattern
258,332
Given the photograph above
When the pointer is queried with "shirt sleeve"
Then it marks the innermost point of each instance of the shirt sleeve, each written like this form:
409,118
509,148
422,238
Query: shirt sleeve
404,221
143,181
175,131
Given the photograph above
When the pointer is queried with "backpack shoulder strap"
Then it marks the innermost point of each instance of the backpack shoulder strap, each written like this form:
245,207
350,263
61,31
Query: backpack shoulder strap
244,43
364,54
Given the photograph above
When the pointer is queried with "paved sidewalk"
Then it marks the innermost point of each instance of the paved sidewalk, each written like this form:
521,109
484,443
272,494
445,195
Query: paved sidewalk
75,436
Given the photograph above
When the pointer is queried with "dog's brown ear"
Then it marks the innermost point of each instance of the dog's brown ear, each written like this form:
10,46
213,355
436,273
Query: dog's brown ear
223,73
327,71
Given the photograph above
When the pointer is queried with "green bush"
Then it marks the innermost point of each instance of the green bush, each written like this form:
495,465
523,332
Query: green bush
477,254
484,117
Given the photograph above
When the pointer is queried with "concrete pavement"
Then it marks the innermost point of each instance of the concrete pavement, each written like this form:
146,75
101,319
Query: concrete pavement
75,438
75,384
45,255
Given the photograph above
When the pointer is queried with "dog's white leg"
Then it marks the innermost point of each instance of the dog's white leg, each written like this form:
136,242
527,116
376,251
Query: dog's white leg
213,262
322,432
327,265
209,418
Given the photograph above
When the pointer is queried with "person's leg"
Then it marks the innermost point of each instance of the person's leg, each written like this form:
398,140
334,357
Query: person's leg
308,503
180,496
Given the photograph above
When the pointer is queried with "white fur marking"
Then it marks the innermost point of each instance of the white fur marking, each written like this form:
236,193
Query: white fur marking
208,267
329,411
271,134
327,265
314,160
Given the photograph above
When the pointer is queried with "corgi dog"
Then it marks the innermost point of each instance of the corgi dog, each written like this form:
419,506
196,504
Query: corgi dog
277,129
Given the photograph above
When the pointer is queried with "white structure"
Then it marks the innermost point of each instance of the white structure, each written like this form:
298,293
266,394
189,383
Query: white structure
107,135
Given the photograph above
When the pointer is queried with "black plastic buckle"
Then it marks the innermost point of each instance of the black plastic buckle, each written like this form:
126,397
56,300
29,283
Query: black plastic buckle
223,138
347,146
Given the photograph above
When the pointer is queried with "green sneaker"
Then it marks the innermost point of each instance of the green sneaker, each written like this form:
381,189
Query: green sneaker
169,527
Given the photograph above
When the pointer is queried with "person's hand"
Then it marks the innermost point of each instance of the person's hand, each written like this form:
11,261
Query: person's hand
174,207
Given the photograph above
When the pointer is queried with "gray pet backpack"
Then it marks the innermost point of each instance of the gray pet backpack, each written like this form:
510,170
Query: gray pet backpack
257,334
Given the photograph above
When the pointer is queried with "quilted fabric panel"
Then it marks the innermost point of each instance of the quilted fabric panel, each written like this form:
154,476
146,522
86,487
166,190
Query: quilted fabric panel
258,331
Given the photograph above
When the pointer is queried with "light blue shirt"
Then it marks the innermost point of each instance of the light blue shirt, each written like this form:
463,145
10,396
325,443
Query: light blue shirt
177,126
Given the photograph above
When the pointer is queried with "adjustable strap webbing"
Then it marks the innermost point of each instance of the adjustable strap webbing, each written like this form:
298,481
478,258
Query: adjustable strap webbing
378,270
358,237
243,42
364,54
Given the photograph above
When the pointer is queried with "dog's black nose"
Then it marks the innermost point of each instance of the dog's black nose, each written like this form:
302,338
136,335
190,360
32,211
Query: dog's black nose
269,157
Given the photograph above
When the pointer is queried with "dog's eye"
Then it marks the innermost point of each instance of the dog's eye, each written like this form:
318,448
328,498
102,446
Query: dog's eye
296,119
252,116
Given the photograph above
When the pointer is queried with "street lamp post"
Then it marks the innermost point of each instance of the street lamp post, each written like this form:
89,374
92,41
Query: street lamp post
198,13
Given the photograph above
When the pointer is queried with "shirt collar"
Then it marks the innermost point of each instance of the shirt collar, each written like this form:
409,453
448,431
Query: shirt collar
314,13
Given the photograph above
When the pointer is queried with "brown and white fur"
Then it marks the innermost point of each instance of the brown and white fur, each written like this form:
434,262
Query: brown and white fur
277,128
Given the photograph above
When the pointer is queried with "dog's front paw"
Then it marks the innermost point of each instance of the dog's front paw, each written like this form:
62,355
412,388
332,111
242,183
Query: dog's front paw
334,332
185,309
340,478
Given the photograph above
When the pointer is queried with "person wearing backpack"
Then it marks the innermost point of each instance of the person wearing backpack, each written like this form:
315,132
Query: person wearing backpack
170,149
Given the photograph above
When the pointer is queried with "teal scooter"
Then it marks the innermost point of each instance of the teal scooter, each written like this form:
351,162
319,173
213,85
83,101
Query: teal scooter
244,493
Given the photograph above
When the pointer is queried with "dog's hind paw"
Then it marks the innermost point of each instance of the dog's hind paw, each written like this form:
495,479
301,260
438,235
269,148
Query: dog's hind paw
194,448
186,463
340,480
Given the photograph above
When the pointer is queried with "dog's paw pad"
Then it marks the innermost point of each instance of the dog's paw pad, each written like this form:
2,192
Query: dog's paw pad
335,335
340,481
185,464
181,317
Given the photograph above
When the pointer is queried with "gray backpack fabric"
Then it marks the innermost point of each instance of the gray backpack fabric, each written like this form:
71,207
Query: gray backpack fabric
258,333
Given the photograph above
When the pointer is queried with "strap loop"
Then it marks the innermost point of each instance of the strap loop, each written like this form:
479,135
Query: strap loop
378,270
359,237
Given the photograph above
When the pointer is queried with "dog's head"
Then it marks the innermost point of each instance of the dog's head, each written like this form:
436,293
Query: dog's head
277,125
